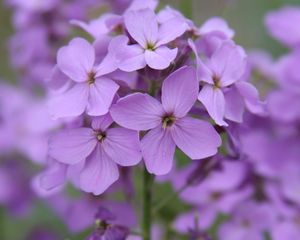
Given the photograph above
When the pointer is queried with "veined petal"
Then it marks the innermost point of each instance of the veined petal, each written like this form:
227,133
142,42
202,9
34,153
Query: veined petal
99,172
196,138
170,30
71,146
160,58
158,150
213,100
122,146
142,26
137,112
77,59
102,93
235,105
102,123
71,103
179,91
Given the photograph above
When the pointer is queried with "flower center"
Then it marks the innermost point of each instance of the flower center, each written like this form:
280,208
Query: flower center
217,81
91,77
101,136
150,46
168,121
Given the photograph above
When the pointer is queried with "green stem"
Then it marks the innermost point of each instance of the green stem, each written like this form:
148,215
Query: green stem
147,199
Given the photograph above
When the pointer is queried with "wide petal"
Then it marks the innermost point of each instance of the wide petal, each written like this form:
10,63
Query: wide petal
158,150
99,172
235,106
71,103
179,91
229,63
196,138
142,26
137,112
102,122
251,98
54,176
167,32
128,58
77,59
160,58
213,100
123,146
71,146
102,93
216,24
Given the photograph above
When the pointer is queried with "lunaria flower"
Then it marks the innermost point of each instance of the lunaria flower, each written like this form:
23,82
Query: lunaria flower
151,39
168,122
224,94
89,88
96,151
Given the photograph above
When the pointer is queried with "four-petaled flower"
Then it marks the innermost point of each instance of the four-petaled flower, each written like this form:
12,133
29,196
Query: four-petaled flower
168,122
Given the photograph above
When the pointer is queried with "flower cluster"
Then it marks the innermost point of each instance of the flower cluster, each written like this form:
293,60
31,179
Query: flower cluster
141,95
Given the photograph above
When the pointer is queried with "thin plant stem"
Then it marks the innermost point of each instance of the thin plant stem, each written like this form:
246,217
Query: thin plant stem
147,204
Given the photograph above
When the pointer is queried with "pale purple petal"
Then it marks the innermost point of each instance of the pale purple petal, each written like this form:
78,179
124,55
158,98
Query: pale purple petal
102,93
179,91
137,112
76,59
71,146
70,103
158,150
196,138
160,58
216,24
235,106
229,63
213,100
54,176
142,26
122,146
99,172
167,32
102,123
251,98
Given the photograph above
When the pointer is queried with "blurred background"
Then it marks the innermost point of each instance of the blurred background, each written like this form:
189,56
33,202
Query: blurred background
244,16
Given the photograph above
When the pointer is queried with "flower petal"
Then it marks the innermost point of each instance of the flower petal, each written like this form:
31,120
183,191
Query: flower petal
102,123
196,138
137,112
235,106
179,91
214,102
167,32
71,146
229,63
76,59
71,103
142,26
122,146
102,93
160,58
158,150
99,172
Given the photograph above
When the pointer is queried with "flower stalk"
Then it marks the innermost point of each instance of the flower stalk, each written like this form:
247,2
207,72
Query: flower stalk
147,204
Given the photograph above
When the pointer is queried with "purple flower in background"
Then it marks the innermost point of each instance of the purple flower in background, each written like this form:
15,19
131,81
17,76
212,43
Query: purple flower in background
223,93
89,88
282,25
151,39
167,121
96,152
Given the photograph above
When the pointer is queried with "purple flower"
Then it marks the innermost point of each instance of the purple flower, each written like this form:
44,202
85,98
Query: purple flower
96,152
168,124
281,25
89,88
223,93
151,39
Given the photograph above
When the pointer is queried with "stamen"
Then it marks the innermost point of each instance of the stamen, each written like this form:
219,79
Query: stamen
150,46
168,121
91,77
101,137
217,81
